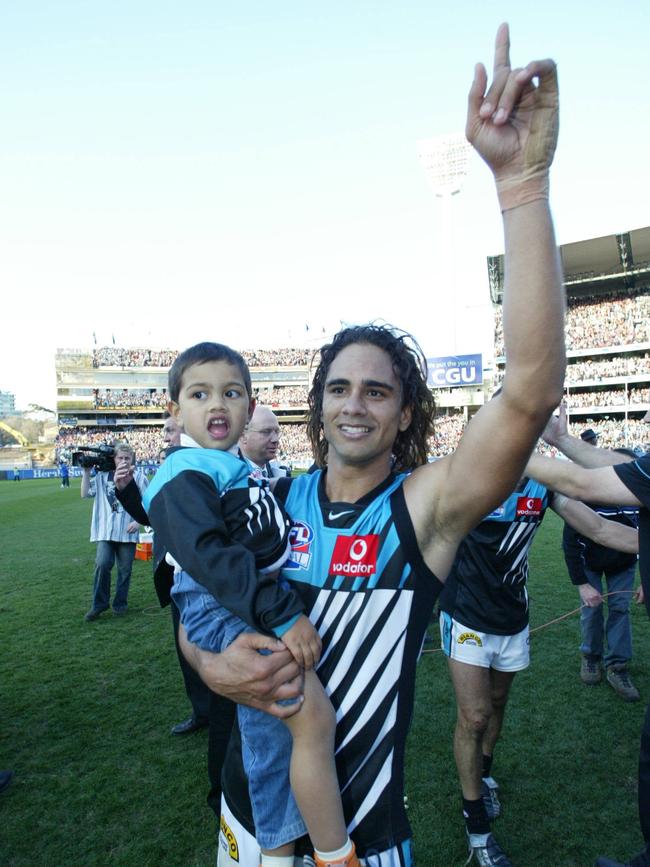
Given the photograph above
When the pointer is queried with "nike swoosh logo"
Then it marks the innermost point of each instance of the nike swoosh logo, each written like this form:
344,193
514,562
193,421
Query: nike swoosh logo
334,515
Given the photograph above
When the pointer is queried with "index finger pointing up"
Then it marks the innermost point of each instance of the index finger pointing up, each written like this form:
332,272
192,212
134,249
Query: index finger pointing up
502,49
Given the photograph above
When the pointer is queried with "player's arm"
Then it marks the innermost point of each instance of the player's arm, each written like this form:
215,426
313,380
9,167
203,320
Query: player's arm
556,433
130,497
599,485
513,125
609,534
244,675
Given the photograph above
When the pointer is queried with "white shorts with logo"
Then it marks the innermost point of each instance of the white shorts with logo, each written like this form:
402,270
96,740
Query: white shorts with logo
501,652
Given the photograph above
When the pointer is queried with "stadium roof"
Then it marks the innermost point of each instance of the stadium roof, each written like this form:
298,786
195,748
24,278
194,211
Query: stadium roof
620,261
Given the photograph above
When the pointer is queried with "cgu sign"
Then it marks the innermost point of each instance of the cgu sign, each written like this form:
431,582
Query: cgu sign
455,370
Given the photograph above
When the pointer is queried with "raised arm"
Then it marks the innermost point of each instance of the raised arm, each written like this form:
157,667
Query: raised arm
588,523
513,125
598,485
556,433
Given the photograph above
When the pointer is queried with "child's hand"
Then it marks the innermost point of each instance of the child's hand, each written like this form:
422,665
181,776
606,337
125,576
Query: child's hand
304,642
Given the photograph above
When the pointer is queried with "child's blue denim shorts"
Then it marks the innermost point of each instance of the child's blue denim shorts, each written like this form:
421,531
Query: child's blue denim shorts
266,741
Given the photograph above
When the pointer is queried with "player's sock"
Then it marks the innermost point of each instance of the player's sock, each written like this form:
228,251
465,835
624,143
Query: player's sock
276,860
476,819
338,854
487,766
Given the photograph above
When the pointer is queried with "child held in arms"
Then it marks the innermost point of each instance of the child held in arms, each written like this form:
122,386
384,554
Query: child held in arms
227,537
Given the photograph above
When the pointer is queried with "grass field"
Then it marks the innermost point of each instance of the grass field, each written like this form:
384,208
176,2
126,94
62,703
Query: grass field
86,708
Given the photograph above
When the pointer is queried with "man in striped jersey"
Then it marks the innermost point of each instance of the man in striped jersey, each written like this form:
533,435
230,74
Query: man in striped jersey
376,529
485,636
114,531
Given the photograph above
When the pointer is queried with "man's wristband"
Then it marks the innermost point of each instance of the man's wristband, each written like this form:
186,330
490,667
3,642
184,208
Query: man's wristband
515,192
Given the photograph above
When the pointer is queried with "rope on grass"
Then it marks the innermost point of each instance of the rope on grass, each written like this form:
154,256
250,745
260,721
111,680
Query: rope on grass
555,619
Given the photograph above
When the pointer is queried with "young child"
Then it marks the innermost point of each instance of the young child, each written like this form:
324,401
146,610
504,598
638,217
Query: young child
212,517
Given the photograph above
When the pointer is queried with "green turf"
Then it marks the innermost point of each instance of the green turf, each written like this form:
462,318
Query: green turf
85,712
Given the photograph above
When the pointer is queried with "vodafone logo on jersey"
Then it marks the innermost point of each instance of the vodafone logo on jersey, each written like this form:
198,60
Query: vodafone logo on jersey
355,555
529,507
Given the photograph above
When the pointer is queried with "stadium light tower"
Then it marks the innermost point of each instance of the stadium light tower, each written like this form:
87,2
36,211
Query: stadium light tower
444,160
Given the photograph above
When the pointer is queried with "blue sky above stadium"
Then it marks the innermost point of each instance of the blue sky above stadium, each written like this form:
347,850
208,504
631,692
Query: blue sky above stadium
248,172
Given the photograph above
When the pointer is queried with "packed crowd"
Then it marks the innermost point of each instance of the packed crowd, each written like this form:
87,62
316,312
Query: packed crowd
292,395
130,398
607,397
617,365
615,433
115,356
147,442
284,357
295,447
447,433
150,397
612,433
615,319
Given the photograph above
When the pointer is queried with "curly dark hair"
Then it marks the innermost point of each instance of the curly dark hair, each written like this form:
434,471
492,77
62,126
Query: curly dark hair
410,366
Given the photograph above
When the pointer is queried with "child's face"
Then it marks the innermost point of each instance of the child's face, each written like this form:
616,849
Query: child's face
213,404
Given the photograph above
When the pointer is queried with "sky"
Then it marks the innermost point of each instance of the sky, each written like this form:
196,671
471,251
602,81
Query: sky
248,172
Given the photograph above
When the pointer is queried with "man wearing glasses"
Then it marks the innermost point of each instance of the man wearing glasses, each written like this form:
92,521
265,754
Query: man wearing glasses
260,442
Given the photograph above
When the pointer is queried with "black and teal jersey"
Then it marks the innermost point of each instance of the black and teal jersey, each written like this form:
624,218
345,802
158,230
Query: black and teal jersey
221,527
360,574
486,588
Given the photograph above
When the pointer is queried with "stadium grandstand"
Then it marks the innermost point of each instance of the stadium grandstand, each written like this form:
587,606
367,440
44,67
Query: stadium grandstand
607,386
111,393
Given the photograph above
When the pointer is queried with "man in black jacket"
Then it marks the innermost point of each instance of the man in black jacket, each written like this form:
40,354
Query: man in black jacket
588,563
129,496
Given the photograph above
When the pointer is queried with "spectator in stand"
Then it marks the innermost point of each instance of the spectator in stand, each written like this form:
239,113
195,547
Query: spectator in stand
113,531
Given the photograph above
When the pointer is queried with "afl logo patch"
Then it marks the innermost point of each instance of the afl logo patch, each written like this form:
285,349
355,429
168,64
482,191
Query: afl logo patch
301,537
469,638
228,840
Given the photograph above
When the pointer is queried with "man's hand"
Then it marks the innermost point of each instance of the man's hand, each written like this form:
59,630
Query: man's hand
639,595
123,475
590,597
514,125
556,428
304,642
242,674
132,527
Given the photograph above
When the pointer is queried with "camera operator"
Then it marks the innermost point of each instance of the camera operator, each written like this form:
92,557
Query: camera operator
113,530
